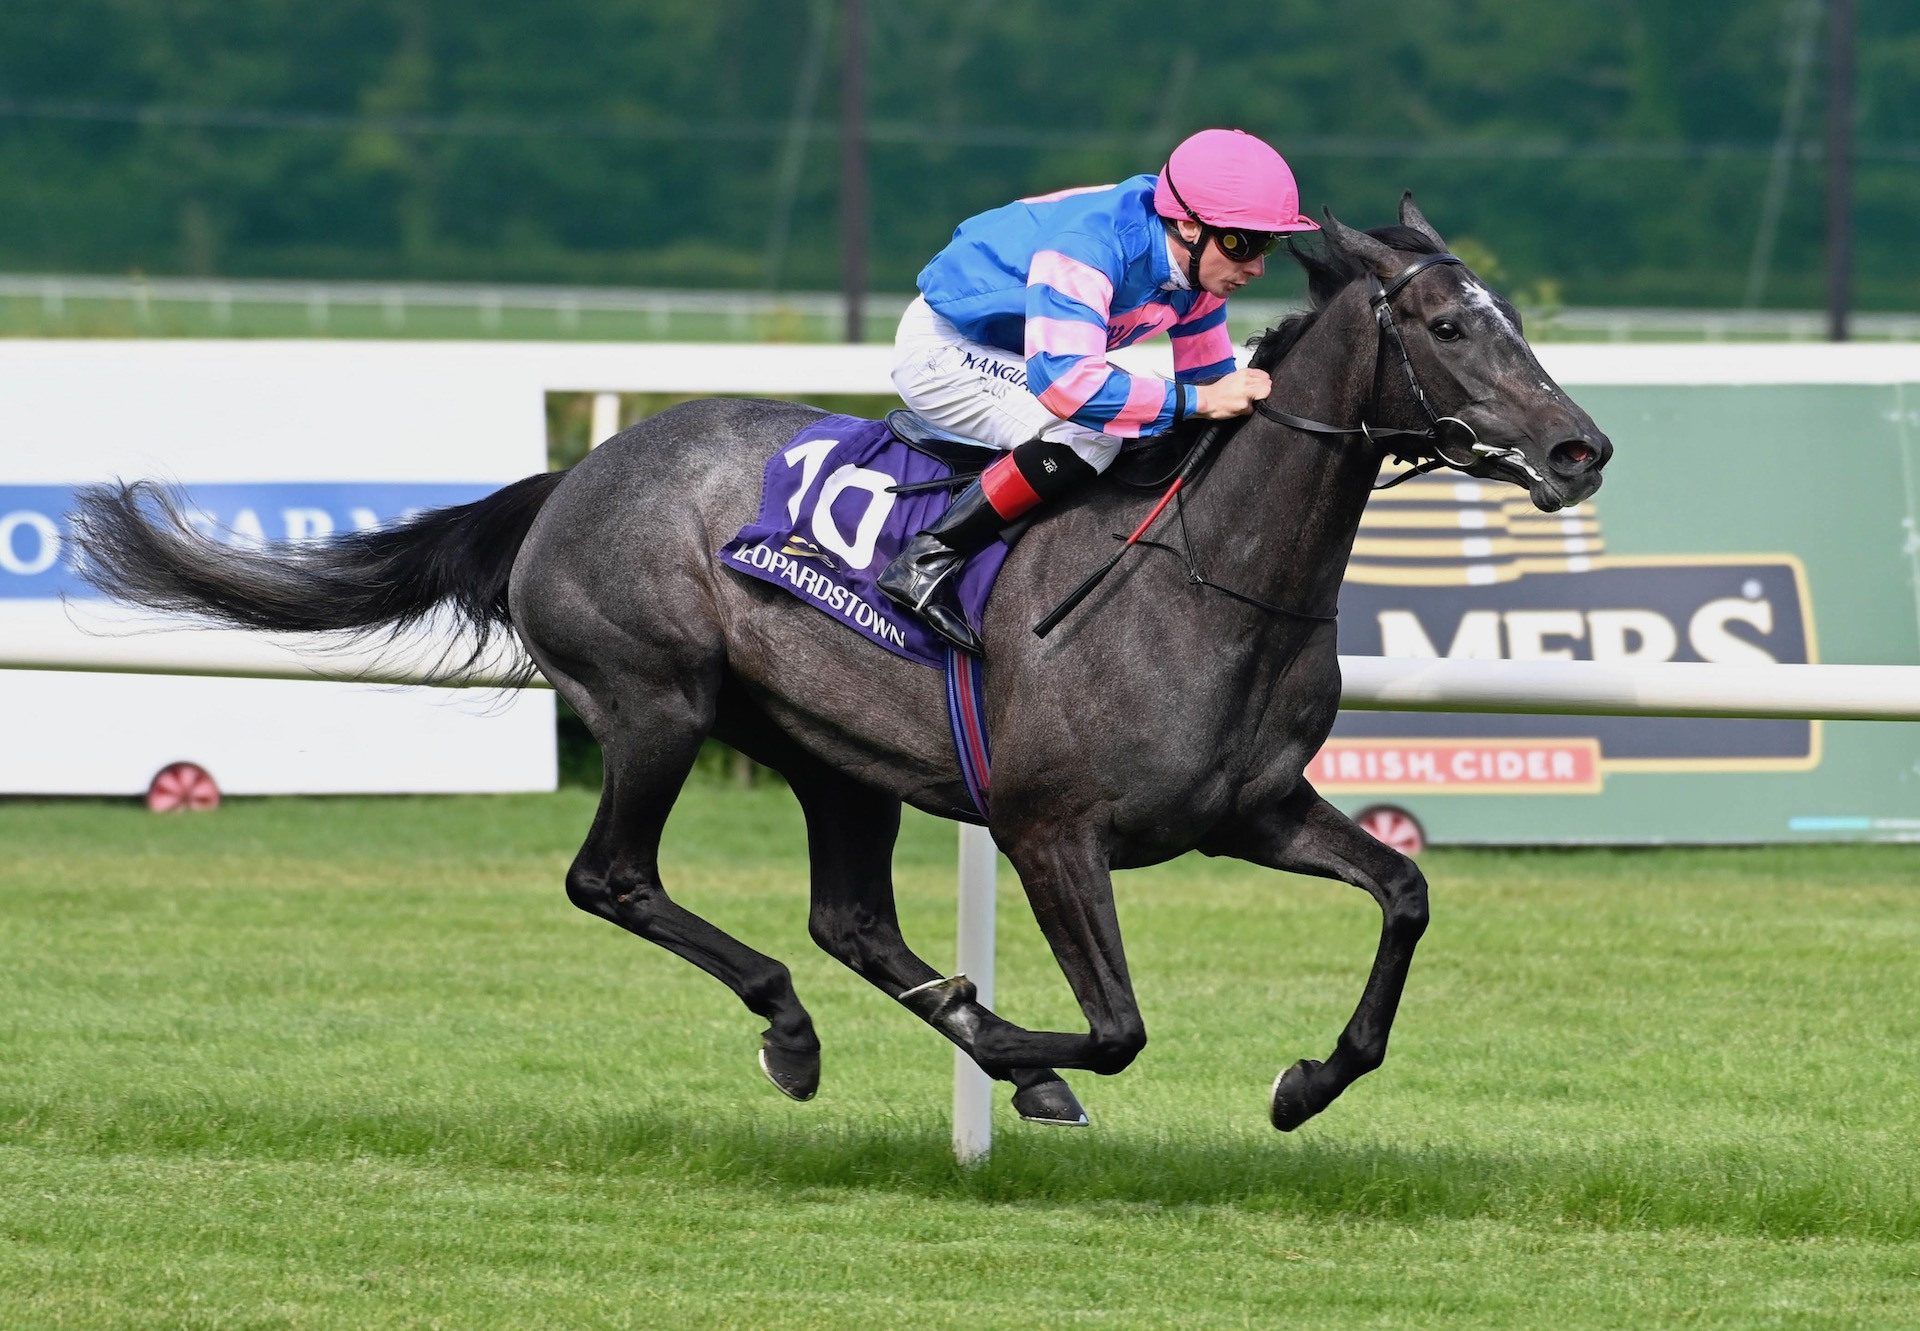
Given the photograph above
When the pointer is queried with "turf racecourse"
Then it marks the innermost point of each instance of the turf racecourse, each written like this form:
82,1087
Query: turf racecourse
357,1063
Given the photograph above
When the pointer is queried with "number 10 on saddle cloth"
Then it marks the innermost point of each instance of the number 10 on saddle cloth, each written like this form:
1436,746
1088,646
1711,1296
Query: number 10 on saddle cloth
829,522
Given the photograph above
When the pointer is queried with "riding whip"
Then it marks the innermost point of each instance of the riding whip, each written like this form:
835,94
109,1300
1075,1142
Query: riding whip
1188,470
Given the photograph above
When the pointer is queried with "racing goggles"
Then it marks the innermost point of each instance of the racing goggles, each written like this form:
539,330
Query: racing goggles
1243,246
1236,242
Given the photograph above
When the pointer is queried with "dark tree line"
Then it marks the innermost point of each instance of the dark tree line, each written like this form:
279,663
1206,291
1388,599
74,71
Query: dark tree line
1625,151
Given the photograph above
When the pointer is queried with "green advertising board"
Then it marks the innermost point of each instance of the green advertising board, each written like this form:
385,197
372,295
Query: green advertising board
1760,506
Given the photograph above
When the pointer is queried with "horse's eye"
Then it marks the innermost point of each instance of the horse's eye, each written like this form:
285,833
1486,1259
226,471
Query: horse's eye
1446,330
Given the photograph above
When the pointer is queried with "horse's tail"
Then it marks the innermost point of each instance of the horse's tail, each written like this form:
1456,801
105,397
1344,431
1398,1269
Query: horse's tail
138,545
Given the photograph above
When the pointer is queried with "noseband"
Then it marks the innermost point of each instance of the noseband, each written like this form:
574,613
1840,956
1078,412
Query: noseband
1447,441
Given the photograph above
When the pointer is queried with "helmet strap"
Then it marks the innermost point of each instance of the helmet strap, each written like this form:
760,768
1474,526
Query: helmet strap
1207,232
1194,248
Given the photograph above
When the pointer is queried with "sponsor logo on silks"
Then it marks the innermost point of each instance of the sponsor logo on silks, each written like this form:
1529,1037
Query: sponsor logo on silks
799,547
1449,567
38,558
819,587
996,369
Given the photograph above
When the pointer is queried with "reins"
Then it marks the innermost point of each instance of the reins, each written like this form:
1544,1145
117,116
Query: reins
1196,462
1195,578
1424,450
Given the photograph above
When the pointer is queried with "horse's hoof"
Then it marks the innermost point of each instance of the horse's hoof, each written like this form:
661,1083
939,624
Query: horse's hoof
794,1075
1050,1102
1292,1102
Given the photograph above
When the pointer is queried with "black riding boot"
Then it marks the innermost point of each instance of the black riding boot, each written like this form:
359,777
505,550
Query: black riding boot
924,577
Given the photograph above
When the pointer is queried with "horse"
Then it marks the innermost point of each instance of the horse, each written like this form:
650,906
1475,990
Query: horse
1171,712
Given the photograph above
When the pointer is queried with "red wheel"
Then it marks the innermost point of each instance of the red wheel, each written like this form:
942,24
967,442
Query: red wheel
1395,827
182,786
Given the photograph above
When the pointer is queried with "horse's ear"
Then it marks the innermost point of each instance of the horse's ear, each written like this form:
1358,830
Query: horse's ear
1411,216
1358,244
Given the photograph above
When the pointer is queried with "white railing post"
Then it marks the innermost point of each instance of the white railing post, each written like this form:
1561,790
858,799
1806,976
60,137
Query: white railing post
972,1089
606,419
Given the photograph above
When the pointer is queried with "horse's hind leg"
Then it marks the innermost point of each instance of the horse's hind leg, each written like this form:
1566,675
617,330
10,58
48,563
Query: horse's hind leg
1071,893
650,742
851,830
1305,834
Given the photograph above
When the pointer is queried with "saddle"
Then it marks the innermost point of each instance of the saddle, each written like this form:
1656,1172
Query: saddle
845,495
1144,464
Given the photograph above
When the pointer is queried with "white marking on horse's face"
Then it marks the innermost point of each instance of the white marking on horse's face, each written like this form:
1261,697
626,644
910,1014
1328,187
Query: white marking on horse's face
1479,298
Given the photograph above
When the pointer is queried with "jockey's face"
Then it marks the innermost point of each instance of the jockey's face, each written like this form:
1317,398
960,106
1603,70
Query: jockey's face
1219,274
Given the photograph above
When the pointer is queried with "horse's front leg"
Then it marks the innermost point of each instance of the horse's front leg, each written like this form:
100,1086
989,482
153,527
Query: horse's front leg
1070,888
1071,891
1305,834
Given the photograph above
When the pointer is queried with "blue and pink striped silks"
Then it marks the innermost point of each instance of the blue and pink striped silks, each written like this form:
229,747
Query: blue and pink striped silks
828,524
1065,278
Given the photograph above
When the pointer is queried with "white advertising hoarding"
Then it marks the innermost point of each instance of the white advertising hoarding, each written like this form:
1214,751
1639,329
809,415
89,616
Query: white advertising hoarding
274,441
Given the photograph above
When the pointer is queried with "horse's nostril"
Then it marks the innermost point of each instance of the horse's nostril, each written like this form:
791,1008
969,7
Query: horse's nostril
1573,455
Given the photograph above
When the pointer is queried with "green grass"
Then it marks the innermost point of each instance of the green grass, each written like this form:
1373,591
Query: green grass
357,1063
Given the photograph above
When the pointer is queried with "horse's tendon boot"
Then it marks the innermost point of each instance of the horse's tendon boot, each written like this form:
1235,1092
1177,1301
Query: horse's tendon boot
950,1006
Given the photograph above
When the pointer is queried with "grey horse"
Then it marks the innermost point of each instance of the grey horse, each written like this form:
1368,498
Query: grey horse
1170,712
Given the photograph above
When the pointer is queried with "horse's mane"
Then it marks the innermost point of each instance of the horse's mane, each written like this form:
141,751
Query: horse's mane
1329,272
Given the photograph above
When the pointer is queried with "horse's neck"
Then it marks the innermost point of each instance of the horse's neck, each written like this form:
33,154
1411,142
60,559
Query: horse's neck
1283,508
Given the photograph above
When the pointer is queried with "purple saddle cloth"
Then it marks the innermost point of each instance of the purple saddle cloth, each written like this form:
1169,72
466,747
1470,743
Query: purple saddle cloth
829,524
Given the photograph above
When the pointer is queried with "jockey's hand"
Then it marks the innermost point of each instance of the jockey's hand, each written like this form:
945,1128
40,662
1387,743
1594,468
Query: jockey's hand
1234,395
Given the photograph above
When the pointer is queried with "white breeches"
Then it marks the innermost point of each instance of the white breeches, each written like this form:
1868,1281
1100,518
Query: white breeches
980,391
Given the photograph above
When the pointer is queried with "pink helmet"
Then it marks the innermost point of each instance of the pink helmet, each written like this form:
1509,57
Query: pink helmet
1228,178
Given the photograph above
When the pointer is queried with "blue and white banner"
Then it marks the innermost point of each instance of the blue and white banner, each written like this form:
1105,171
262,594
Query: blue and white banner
37,553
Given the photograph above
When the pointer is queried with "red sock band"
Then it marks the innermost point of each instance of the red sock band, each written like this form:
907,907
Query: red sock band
1006,489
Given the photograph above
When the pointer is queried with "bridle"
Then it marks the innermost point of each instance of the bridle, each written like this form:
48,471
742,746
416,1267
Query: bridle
1447,441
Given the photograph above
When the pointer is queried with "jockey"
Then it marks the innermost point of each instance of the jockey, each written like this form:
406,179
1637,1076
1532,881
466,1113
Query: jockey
1007,341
